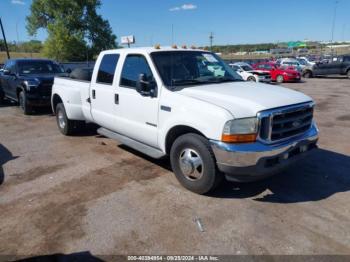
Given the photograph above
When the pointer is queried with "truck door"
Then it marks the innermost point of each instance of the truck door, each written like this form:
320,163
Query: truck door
323,68
139,114
102,92
13,81
7,79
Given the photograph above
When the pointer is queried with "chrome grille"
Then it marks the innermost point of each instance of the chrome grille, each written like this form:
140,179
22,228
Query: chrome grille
286,122
45,88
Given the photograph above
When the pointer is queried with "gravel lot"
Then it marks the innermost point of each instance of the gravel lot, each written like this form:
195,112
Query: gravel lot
85,193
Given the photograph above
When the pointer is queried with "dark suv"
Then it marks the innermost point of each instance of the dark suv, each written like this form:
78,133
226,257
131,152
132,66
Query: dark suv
28,82
339,66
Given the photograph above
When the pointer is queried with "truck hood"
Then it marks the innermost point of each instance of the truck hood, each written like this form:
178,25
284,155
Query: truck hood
245,99
47,78
259,73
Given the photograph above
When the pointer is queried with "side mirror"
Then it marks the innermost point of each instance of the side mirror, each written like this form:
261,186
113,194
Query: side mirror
6,72
145,87
68,70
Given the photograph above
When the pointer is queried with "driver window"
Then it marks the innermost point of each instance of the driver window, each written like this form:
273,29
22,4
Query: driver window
135,65
9,66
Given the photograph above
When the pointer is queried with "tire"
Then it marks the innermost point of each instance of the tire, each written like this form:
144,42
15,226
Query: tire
348,73
194,164
251,79
23,103
2,97
66,126
307,74
279,79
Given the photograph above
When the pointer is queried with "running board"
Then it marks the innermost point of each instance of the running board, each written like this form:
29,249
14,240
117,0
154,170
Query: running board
145,149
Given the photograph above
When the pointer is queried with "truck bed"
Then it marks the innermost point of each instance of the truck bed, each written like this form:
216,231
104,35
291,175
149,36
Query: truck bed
74,94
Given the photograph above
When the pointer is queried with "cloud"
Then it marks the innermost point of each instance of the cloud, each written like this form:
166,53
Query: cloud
18,2
178,8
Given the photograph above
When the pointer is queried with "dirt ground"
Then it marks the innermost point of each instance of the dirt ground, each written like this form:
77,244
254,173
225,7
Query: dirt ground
87,194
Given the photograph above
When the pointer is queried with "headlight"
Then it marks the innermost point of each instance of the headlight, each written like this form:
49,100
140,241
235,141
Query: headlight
240,130
32,83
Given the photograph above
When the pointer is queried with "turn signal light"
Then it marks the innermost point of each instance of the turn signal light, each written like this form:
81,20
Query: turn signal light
246,138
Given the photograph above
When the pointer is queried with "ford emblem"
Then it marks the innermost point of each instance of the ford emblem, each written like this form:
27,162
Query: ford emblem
296,123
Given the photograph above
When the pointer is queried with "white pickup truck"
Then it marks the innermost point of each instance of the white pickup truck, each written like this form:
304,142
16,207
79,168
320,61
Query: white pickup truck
170,101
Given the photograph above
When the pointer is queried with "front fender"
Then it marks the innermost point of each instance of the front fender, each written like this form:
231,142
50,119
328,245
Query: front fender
202,116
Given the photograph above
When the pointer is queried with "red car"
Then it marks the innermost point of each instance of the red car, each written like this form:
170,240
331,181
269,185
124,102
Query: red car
278,74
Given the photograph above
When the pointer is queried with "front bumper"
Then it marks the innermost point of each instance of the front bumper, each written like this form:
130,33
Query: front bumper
255,161
38,100
264,79
292,78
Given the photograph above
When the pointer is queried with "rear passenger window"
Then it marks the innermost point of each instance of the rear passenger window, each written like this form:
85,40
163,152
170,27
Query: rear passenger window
107,69
134,65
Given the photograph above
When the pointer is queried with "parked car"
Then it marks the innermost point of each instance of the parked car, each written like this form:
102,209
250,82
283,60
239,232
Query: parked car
28,82
305,61
291,63
279,75
162,101
339,66
248,73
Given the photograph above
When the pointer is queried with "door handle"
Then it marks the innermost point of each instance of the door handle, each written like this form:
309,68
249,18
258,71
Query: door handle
93,94
116,99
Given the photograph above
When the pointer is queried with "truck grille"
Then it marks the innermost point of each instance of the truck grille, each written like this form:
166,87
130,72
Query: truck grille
285,122
45,88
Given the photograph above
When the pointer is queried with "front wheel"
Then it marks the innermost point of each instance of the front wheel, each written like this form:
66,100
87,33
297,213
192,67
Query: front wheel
279,79
23,103
307,74
348,74
194,165
251,79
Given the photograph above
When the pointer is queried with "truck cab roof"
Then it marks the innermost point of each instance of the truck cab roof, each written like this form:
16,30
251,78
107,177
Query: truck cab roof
150,50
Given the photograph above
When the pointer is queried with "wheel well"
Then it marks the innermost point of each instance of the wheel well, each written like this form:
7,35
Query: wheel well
177,131
55,101
18,90
307,71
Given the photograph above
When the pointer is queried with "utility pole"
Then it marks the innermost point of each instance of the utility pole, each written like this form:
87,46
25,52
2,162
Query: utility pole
333,24
172,34
211,38
3,34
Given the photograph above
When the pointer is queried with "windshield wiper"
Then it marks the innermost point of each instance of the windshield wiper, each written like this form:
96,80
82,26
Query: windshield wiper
176,82
220,80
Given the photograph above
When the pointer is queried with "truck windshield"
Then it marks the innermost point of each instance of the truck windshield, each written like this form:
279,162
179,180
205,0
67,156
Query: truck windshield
186,68
38,67
247,68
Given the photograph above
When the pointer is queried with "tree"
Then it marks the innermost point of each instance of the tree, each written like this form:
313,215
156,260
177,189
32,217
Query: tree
74,28
32,46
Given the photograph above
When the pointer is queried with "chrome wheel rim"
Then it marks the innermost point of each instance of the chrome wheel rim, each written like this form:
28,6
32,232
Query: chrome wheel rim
191,164
61,120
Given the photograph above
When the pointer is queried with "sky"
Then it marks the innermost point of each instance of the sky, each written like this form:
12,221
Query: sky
190,21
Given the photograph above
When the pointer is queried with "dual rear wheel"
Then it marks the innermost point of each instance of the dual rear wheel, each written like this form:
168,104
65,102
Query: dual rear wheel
66,126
